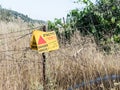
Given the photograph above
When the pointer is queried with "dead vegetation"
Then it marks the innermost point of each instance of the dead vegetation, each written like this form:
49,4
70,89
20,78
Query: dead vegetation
21,68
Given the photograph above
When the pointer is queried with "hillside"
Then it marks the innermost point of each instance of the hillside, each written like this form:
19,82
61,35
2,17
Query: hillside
10,15
13,21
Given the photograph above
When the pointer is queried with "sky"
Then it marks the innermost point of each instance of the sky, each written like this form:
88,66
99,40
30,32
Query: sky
41,9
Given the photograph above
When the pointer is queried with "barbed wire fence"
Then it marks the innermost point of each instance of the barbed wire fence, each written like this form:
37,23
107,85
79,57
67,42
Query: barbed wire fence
18,52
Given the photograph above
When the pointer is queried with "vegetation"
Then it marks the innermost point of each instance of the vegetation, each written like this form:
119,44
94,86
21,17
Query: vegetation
21,68
10,15
74,63
101,20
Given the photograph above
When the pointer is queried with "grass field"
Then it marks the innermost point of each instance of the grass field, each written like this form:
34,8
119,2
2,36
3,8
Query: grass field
21,68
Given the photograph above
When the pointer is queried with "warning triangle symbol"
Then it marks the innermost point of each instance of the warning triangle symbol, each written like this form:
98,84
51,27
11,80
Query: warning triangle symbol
41,40
33,43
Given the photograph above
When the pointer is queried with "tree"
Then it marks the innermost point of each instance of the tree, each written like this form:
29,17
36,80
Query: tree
102,20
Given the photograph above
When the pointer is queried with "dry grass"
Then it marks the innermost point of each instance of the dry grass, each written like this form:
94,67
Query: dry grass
72,67
68,66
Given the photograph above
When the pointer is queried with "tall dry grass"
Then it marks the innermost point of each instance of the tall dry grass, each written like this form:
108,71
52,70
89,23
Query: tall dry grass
70,65
81,61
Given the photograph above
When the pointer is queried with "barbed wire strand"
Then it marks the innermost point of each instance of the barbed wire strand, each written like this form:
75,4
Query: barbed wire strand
41,26
12,41
38,27
18,60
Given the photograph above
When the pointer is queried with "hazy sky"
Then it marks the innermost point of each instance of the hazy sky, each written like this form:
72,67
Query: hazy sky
41,9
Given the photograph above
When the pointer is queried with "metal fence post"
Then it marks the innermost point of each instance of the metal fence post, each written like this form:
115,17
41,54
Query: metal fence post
44,65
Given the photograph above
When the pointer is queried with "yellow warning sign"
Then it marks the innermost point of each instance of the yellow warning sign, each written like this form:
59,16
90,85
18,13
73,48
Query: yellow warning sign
44,41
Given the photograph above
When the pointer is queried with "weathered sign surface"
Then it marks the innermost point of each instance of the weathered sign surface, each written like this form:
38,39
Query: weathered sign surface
44,41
